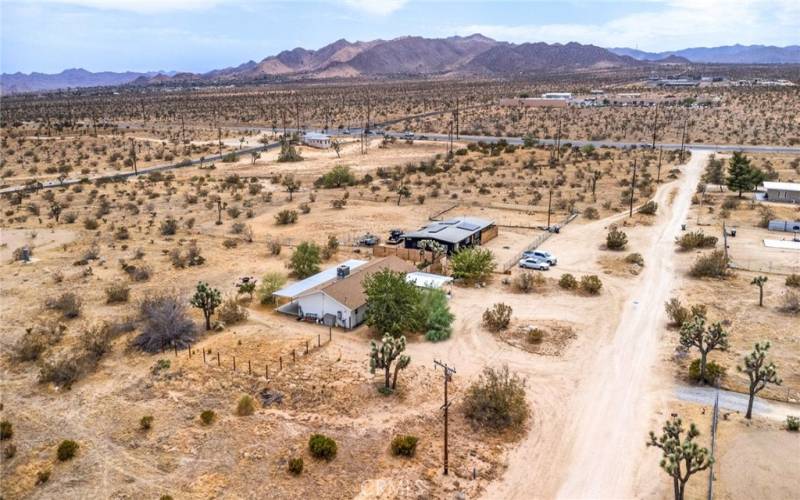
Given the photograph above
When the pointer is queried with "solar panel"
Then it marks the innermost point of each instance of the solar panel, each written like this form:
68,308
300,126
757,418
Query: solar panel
437,229
449,222
468,226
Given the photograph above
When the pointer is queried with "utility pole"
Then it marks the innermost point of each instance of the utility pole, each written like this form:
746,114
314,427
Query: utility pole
450,136
660,154
456,119
133,155
558,140
549,204
633,187
447,374
219,140
655,127
683,135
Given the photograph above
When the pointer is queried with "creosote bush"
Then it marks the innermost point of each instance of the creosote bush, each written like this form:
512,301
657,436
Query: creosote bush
117,293
68,304
497,317
246,406
711,265
568,282
146,423
792,423
616,239
296,465
649,208
165,323
496,400
285,217
695,239
322,446
591,284
714,372
67,450
208,417
404,445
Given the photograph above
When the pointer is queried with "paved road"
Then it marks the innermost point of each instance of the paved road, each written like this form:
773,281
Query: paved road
735,401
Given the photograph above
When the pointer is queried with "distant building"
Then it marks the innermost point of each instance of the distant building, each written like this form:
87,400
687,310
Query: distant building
557,95
454,234
336,295
782,192
315,140
535,102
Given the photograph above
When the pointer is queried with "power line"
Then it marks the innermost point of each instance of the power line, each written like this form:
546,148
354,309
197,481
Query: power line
448,372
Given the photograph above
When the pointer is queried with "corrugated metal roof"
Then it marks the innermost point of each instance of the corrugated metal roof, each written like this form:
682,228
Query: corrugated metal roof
784,186
329,274
316,136
452,230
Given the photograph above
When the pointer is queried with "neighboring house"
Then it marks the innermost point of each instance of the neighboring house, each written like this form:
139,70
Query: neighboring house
782,192
315,140
790,226
454,234
336,296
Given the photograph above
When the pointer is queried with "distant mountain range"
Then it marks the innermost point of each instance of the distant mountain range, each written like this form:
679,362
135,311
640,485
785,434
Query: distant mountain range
729,54
412,56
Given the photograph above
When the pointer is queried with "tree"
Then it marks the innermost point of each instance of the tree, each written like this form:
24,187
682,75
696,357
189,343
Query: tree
715,172
742,176
759,281
338,176
694,333
291,184
382,356
270,283
434,247
529,141
254,155
472,264
403,192
55,210
392,303
206,299
760,374
336,145
678,454
435,312
305,260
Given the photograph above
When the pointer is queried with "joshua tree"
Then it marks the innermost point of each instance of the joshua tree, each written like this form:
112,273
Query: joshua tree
382,356
402,192
678,454
254,155
758,281
55,210
336,147
291,185
433,246
759,373
694,333
206,299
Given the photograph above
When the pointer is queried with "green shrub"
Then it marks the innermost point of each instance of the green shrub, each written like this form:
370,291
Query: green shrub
169,226
497,317
246,406
285,217
6,430
146,423
496,400
339,176
591,284
472,265
793,280
67,450
322,447
117,293
677,313
792,423
42,476
649,208
535,336
434,310
714,372
296,465
526,281
616,239
591,213
270,283
635,258
568,281
712,265
404,445
696,239
208,417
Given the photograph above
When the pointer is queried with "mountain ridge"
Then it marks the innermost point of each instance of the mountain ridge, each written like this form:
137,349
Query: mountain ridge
724,54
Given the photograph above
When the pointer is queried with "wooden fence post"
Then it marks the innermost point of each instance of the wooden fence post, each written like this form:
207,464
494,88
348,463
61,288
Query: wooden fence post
234,363
318,340
204,355
280,363
306,346
266,371
219,363
294,357
249,368
176,349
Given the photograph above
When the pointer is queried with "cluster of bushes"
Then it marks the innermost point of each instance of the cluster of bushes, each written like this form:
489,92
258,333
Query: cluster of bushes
68,304
679,314
696,239
231,312
134,272
37,339
714,372
70,365
338,176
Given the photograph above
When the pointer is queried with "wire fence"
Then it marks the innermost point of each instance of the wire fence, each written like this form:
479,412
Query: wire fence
541,238
268,369
760,266
714,421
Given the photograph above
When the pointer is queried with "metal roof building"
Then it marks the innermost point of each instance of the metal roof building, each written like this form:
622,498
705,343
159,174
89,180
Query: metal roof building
453,233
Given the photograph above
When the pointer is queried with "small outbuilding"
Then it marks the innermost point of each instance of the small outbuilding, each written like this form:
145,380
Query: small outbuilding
454,234
787,192
316,140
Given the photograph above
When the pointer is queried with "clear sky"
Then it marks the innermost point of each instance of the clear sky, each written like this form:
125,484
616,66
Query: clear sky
200,35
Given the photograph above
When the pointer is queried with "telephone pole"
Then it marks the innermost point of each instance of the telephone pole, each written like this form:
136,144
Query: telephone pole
549,204
660,154
655,127
448,372
633,187
683,135
456,117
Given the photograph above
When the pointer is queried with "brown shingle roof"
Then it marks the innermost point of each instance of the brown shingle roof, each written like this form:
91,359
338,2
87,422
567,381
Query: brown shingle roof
350,292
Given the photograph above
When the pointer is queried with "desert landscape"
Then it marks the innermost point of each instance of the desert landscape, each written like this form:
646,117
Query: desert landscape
507,270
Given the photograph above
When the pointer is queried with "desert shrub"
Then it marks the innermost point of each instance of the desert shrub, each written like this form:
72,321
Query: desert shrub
188,257
146,422
6,430
42,476
678,314
616,239
649,208
472,265
288,153
96,339
136,273
238,227
230,243
338,176
67,450
793,280
69,217
497,317
496,400
338,203
296,465
37,339
305,260
9,451
117,293
90,223
286,217
792,423
159,366
534,335
68,304
270,283
404,445
169,226
231,312
790,302
591,284
591,213
568,282
122,233
208,417
526,281
322,446
714,372
711,265
165,323
696,239
730,203
64,370
274,247
246,406
635,258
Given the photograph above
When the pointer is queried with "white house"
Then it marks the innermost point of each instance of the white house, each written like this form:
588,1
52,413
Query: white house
315,140
788,192
336,296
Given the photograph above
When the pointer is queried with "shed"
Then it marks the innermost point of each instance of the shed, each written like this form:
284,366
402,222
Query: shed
316,140
790,226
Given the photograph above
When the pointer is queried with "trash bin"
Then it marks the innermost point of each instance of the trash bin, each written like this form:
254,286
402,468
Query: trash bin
683,227
733,233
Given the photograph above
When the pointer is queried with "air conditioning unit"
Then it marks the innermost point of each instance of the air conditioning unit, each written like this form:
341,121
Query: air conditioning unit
343,271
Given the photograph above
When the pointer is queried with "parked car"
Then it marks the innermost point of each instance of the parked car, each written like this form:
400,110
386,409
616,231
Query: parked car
368,240
541,255
537,264
408,135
